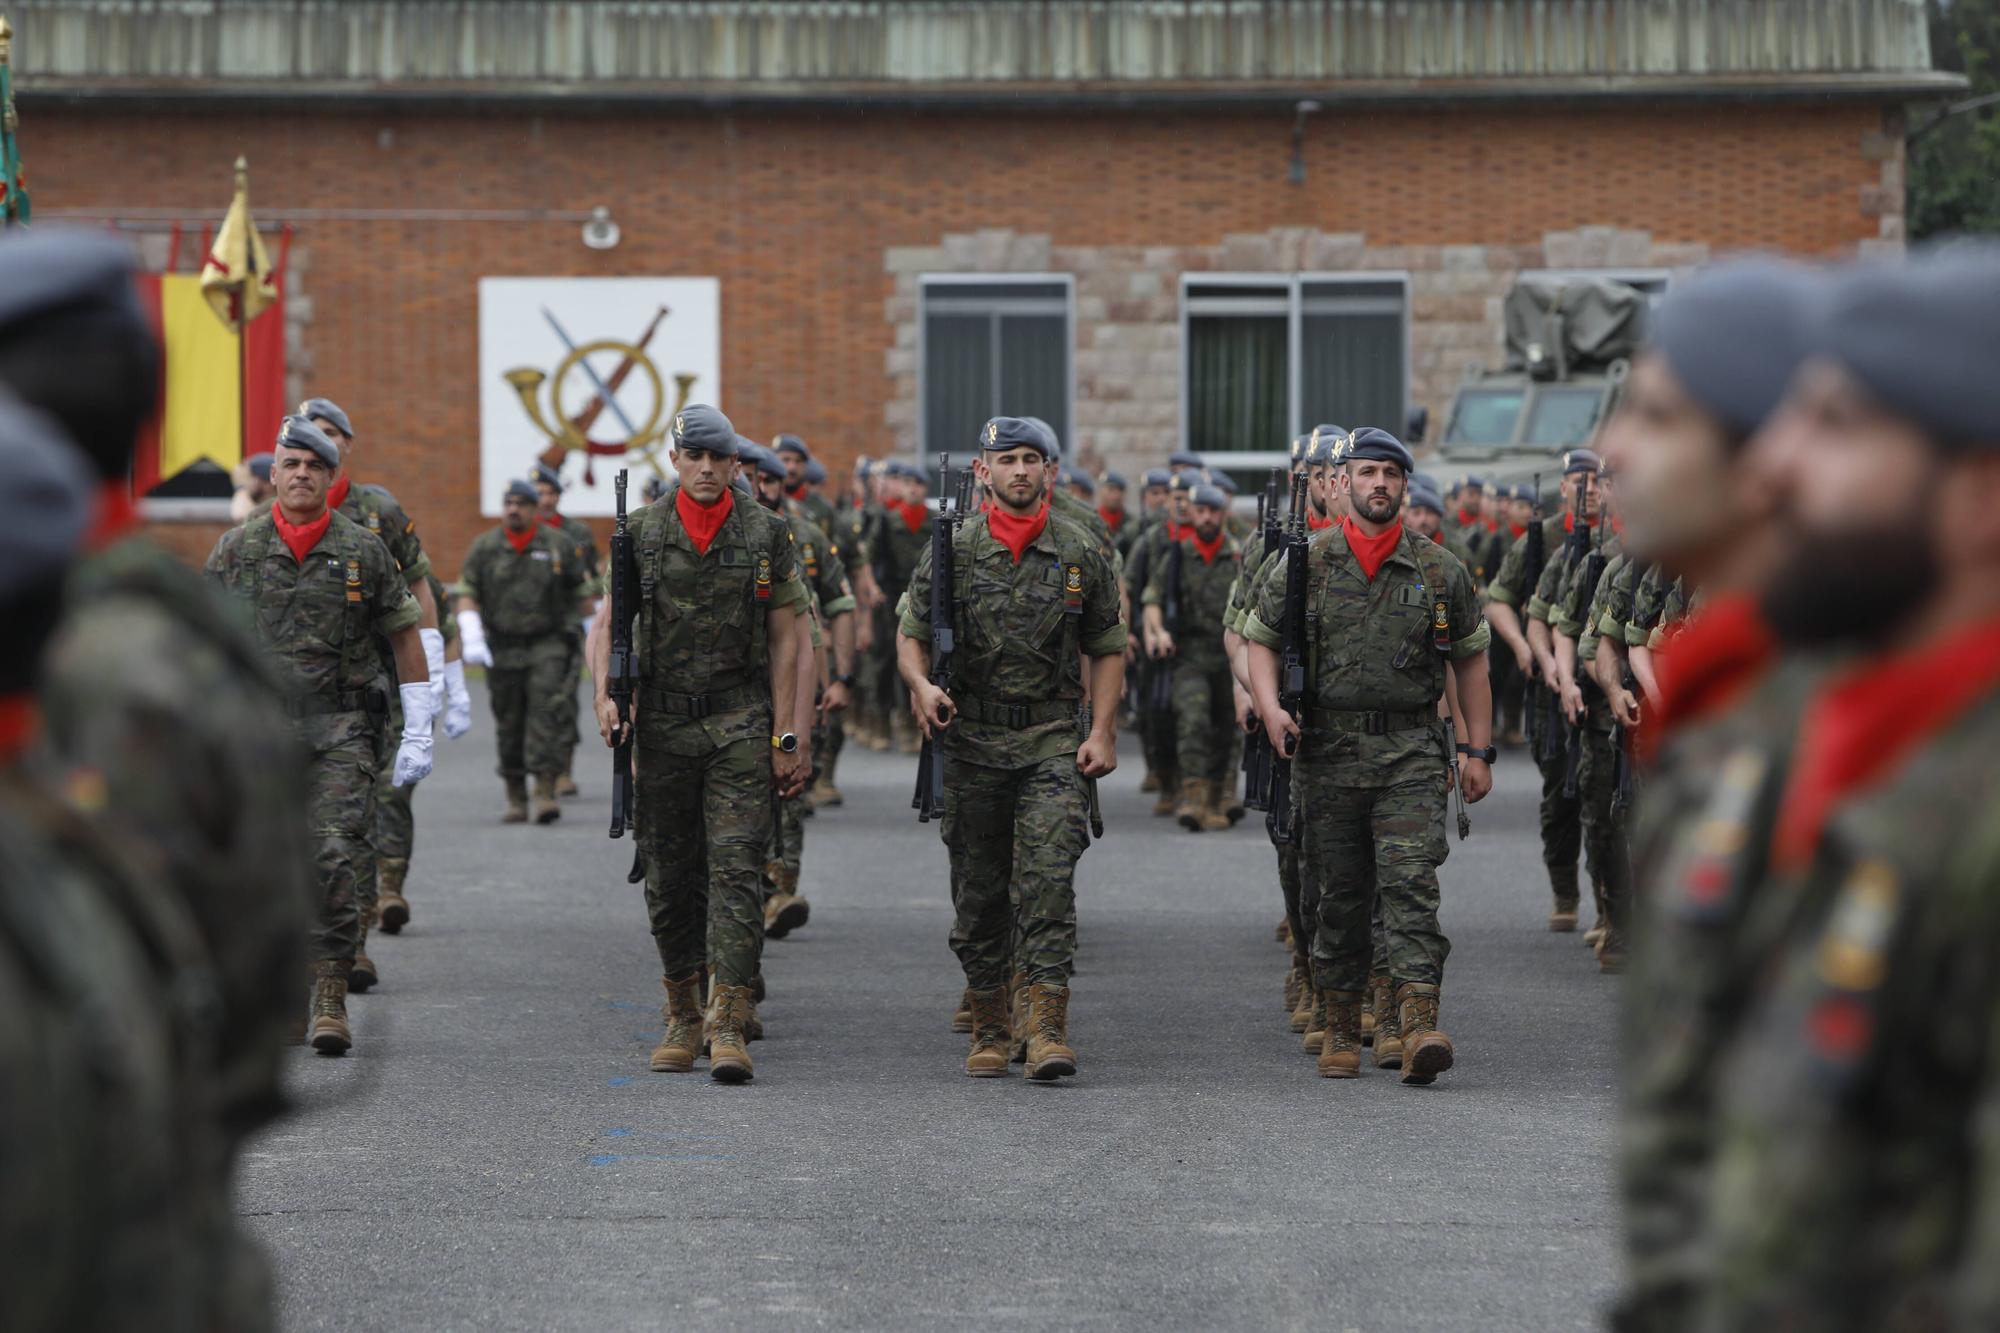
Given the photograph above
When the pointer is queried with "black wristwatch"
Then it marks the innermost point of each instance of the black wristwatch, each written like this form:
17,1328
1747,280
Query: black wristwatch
844,678
788,742
1490,754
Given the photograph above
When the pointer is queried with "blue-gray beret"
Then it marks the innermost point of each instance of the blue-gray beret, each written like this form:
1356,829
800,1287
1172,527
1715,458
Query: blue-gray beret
1224,482
546,475
1325,444
1114,479
1374,443
1082,481
1469,482
1921,336
902,467
1210,495
327,410
756,457
1734,333
1184,481
815,472
46,270
703,428
298,433
1054,448
1184,458
259,465
790,444
1424,497
47,495
1581,460
1018,433
655,487
521,490
1157,476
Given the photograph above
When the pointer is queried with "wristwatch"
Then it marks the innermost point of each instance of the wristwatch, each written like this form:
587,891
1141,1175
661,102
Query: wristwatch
844,678
1491,754
788,742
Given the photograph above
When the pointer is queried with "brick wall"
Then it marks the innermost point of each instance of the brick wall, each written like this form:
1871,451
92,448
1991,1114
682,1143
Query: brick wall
799,214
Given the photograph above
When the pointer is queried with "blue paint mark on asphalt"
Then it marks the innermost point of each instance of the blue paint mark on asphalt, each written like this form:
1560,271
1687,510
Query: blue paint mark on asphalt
617,1133
613,1159
621,1080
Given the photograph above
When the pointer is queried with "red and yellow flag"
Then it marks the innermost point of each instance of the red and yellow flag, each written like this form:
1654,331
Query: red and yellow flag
237,279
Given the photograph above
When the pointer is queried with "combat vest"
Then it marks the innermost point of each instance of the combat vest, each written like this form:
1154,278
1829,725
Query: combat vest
1204,600
331,613
1040,609
1390,664
702,617
525,594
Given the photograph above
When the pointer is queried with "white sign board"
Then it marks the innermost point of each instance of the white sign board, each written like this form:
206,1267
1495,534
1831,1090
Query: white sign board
587,373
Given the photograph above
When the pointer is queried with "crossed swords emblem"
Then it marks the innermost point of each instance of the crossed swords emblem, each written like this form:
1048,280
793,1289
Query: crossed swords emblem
570,432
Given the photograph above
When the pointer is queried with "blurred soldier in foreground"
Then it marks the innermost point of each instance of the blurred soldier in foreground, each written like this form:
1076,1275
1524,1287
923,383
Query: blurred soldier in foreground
320,590
548,512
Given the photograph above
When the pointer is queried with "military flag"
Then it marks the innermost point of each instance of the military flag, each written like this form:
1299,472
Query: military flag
13,186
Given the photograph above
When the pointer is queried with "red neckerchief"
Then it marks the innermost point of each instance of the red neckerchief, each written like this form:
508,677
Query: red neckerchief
1370,552
1618,525
1517,530
116,514
1720,652
1437,538
20,723
1493,525
796,492
702,521
1466,518
1569,521
521,540
1015,531
1862,725
336,494
301,538
1113,518
1314,523
913,513
552,521
1207,550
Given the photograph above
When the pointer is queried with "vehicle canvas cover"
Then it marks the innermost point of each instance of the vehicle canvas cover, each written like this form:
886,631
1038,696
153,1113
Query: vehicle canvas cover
1583,322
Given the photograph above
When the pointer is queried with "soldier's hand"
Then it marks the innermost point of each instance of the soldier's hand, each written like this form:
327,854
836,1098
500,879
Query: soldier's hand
1525,659
864,634
933,708
1163,644
607,722
1283,732
1625,707
1246,716
1095,757
836,699
788,771
1572,702
1475,779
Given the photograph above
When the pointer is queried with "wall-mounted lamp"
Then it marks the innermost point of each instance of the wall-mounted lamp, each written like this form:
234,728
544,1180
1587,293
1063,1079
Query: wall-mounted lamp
600,233
1301,111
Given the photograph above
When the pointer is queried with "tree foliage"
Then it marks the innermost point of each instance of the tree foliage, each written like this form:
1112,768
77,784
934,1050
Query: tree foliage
1955,168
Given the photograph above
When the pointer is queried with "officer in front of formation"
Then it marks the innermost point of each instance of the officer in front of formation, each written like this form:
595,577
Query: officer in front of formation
1037,606
320,589
548,505
1194,578
527,583
1390,617
718,665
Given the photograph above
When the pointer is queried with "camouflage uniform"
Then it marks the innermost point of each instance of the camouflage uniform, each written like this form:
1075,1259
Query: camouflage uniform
585,541
1372,769
1204,694
852,533
897,550
1158,735
704,730
528,601
1015,819
320,620
829,595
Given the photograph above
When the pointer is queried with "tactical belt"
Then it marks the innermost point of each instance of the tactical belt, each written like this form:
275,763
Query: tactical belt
347,701
1015,716
701,705
1372,722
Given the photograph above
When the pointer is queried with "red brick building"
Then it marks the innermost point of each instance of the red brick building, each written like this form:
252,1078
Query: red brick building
1112,213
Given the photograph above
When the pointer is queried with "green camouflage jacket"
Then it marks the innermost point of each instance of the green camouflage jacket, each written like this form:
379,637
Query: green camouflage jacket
524,595
1203,599
377,510
585,542
1509,586
820,566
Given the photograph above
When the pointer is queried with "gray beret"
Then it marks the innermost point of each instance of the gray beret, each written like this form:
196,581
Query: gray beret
1183,458
1053,447
47,500
1157,476
1470,482
1224,482
521,490
327,410
1114,479
1378,445
1921,336
47,270
259,465
757,457
298,433
902,467
1183,481
1734,333
1210,495
655,487
702,427
1423,497
790,444
1581,460
547,475
1301,446
815,472
1324,445
1083,481
1018,433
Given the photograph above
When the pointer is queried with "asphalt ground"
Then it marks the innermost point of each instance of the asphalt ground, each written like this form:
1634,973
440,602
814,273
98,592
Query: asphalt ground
496,1154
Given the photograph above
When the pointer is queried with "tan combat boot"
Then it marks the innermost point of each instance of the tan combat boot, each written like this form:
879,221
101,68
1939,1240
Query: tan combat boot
1315,1022
1018,1016
1049,1055
546,809
1213,817
1388,1023
330,1034
1562,886
961,1017
1611,951
1292,991
1368,1016
362,974
392,909
1299,990
565,785
1229,802
1194,800
517,800
1340,1052
1426,1051
991,1034
728,1043
1283,934
1170,800
1149,784
825,795
784,910
683,1040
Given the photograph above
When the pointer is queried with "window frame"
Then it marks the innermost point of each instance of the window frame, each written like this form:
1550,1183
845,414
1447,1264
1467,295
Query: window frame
926,282
1293,299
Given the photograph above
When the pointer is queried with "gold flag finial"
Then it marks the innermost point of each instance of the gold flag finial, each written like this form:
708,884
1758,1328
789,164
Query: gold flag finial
237,277
6,40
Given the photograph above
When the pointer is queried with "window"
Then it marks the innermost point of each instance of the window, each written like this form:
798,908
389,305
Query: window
993,345
1563,418
1269,357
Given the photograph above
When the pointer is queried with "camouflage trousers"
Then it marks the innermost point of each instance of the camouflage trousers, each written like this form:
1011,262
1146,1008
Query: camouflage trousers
394,831
534,709
1561,821
836,741
1204,721
1157,732
574,673
1014,835
1604,847
788,837
704,824
1366,847
341,770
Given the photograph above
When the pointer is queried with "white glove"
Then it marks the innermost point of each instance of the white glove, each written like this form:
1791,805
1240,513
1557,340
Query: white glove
433,641
457,701
413,757
472,639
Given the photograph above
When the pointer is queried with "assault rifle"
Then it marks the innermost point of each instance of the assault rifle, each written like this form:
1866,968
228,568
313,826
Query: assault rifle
623,675
1457,775
1279,819
1257,743
929,799
1536,701
1084,719
1593,573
